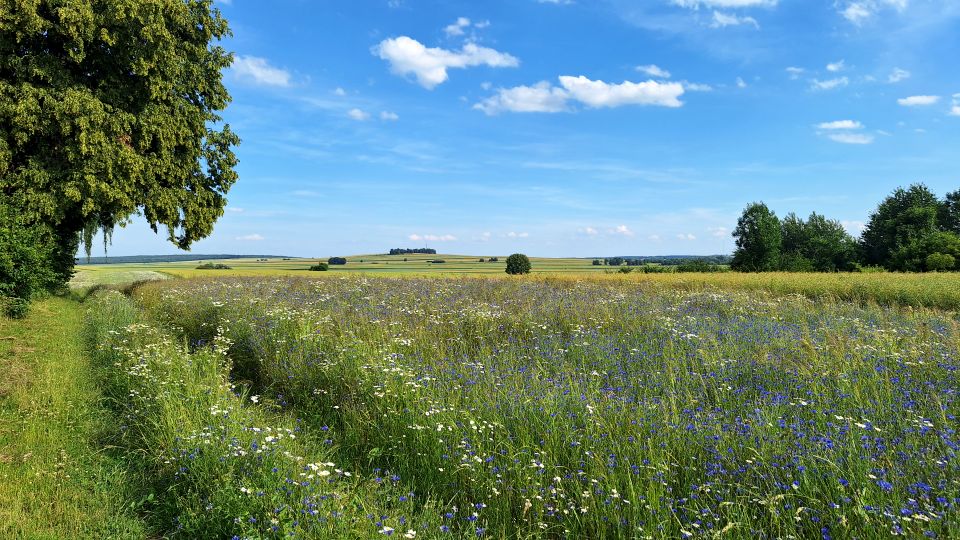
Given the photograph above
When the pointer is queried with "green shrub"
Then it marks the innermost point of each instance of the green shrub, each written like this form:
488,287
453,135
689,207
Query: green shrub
212,266
320,267
940,262
517,264
26,262
337,261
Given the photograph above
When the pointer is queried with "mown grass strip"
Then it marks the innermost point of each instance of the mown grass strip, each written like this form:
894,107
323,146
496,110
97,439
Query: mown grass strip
56,480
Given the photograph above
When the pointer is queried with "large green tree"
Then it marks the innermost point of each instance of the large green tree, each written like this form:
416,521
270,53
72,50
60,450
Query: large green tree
759,240
906,217
109,108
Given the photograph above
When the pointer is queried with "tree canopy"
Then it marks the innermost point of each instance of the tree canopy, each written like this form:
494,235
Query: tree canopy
110,109
759,240
517,264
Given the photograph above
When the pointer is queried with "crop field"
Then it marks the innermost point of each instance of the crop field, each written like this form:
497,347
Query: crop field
359,406
368,264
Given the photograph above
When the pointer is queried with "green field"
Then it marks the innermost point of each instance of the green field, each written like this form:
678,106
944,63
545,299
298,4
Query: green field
378,264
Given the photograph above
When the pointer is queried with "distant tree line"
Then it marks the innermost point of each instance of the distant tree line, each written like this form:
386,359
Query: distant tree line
670,260
415,251
912,230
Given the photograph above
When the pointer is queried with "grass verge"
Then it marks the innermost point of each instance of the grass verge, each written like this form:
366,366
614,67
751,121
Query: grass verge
56,481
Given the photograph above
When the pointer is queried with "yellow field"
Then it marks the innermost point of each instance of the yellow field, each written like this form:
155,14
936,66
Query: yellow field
917,290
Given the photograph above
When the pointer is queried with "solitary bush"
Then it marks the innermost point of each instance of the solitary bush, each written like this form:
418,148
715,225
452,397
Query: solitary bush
517,264
940,262
493,259
336,260
320,267
438,261
211,266
625,269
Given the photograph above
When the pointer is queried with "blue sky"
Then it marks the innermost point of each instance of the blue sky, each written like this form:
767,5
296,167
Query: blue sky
574,127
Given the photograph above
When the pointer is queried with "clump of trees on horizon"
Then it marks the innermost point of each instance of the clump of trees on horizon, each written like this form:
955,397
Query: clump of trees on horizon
414,251
912,230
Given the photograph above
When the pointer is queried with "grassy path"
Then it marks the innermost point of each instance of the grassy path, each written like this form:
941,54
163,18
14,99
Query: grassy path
55,479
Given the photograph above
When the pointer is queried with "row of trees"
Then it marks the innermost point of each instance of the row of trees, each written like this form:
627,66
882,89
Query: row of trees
415,251
912,230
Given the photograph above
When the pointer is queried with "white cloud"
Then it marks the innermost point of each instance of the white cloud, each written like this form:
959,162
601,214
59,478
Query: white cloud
795,72
623,230
851,138
388,116
561,2
723,20
259,71
955,109
432,237
601,94
654,237
541,97
251,238
836,66
654,70
718,232
841,124
590,231
687,237
234,209
456,29
741,83
358,115
340,92
512,234
898,75
696,87
429,65
830,84
857,12
918,101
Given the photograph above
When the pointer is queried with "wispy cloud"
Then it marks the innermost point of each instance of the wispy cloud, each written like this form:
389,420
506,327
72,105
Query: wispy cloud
841,124
432,237
918,101
835,67
851,138
722,20
654,70
829,84
358,115
251,238
898,75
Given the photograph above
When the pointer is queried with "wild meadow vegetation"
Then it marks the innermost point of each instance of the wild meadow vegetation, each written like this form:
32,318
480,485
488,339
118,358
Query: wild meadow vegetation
533,408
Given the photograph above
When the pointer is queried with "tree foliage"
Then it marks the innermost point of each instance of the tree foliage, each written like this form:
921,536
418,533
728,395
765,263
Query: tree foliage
517,264
816,245
110,109
906,217
26,254
759,240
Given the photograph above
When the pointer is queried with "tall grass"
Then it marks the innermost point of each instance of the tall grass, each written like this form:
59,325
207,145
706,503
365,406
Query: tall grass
594,409
212,460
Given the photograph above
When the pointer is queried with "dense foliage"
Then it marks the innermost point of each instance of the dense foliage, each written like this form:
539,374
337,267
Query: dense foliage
911,230
759,240
518,264
332,261
26,261
320,267
109,109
